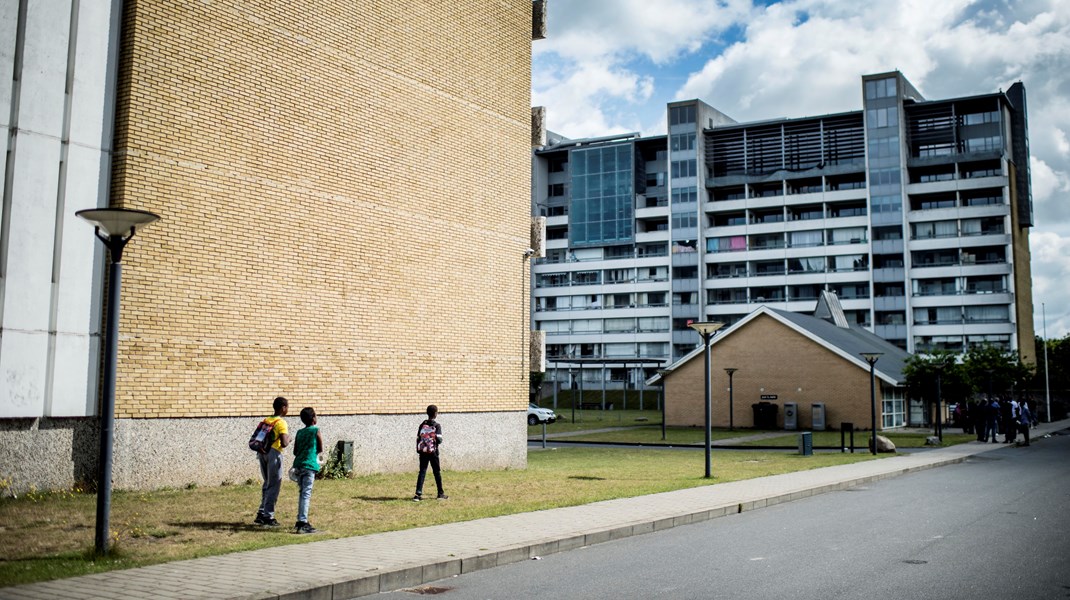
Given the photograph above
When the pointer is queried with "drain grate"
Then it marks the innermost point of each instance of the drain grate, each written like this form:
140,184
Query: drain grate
427,590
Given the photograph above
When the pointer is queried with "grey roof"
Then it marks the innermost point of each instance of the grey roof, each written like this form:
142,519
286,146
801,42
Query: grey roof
852,340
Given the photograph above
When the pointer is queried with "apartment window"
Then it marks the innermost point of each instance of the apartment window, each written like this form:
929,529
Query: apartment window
979,118
882,117
807,213
682,141
813,264
767,241
983,144
884,147
887,233
983,198
680,115
890,176
684,168
735,243
942,315
556,189
557,165
934,229
849,262
620,325
986,284
880,88
847,235
652,324
768,267
806,239
684,194
987,314
684,220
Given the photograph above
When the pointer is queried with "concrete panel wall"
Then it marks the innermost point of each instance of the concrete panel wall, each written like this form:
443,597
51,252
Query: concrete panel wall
53,110
211,451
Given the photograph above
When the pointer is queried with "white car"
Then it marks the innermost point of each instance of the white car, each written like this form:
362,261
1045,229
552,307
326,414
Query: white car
538,415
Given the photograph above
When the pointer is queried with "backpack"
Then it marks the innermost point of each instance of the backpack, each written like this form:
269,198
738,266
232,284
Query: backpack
263,437
426,440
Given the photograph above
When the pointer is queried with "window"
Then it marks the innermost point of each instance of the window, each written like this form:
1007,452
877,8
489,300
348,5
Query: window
882,117
766,241
884,147
679,115
806,239
979,118
684,220
556,189
850,262
557,165
682,141
934,229
735,243
814,264
983,144
620,325
987,314
880,88
847,235
684,194
887,233
683,168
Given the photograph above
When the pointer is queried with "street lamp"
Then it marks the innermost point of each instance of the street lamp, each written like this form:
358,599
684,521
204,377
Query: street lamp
664,373
731,421
114,227
871,358
706,329
939,403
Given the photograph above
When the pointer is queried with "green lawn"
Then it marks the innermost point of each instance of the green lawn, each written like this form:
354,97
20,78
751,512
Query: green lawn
47,536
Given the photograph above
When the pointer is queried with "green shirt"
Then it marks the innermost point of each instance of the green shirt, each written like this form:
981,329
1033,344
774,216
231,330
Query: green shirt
306,449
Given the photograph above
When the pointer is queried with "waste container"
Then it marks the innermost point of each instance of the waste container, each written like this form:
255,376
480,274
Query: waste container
791,416
764,415
806,443
817,420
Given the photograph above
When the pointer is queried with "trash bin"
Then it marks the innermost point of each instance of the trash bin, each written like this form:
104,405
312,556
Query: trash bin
817,421
791,416
764,415
806,443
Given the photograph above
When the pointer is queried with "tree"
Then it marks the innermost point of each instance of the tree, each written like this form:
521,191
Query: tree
994,371
921,375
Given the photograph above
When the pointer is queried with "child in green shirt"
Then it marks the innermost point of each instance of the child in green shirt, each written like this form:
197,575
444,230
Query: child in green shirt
307,445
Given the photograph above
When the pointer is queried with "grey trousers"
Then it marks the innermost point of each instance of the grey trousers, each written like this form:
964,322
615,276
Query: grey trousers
271,472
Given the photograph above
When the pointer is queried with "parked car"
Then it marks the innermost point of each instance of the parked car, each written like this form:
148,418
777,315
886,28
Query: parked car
538,415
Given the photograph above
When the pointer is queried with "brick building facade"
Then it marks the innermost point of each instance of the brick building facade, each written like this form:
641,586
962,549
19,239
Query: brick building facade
344,193
785,357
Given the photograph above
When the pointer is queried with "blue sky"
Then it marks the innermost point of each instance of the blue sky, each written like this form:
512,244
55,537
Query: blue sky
610,66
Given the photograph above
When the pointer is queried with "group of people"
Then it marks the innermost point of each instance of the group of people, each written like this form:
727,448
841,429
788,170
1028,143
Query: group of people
308,445
987,418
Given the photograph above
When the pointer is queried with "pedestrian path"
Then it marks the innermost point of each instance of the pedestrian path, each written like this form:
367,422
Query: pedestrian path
359,566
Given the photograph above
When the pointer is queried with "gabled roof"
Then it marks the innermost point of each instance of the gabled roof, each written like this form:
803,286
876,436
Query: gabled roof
848,342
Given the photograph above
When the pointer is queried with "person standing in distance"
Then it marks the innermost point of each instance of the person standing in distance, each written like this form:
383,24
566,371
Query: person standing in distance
428,439
271,464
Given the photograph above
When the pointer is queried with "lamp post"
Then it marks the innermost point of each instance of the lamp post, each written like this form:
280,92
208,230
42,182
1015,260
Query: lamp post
114,227
706,329
731,417
939,403
871,358
664,373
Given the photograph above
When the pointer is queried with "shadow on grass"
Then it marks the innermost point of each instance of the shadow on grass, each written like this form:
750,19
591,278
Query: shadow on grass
222,526
381,498
586,478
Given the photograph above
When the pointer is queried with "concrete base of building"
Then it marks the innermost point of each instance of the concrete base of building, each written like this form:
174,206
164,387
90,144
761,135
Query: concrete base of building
51,454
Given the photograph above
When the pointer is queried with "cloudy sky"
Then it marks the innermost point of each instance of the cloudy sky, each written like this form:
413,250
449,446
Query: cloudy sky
610,66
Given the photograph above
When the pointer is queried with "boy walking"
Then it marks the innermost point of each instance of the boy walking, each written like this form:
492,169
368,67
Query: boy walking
271,464
307,446
428,439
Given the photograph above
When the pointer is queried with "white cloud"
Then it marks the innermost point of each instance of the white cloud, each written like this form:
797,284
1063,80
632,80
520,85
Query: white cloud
1051,271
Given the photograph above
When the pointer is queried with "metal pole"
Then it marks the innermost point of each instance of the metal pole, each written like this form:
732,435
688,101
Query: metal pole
873,404
663,408
1047,387
706,403
731,403
107,408
939,409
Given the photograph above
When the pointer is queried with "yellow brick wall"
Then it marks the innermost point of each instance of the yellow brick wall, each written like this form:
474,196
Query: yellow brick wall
344,192
1023,279
772,359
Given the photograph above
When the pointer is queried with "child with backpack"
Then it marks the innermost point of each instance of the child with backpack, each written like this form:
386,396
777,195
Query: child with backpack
428,439
307,446
269,438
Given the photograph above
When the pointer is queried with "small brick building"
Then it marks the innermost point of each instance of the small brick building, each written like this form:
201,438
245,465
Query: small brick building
783,357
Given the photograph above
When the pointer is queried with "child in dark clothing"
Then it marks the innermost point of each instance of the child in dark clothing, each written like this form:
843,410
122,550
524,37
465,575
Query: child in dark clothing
428,439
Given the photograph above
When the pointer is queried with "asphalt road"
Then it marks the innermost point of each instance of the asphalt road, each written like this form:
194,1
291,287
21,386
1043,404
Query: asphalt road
997,526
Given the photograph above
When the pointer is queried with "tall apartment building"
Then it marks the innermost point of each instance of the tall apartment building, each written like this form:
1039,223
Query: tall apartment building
915,212
338,182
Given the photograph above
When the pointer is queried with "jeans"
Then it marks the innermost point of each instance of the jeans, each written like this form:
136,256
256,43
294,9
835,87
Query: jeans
271,472
305,479
429,459
990,430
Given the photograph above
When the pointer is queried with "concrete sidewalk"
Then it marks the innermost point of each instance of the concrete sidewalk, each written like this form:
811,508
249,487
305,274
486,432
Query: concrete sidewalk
358,566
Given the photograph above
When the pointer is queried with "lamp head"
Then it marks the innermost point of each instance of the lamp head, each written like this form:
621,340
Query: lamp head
871,357
706,328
